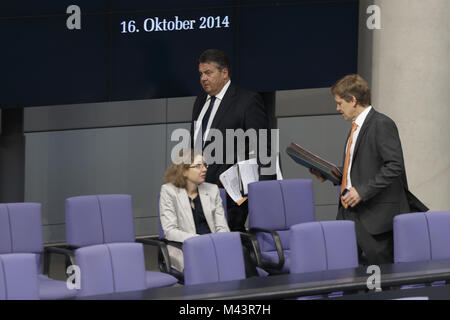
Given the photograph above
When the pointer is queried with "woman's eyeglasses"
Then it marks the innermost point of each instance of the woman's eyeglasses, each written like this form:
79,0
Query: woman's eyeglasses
199,166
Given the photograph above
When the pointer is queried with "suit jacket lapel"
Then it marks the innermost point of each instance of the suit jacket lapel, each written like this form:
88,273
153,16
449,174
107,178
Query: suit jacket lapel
224,106
362,132
186,207
198,107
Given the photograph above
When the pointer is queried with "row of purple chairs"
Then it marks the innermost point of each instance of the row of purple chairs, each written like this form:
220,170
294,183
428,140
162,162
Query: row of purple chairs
315,246
105,223
21,232
90,221
318,246
276,206
293,202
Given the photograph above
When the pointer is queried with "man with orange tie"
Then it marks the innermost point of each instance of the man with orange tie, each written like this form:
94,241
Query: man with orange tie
374,188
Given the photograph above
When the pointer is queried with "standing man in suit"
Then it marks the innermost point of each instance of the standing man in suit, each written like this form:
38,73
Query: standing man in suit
374,188
223,106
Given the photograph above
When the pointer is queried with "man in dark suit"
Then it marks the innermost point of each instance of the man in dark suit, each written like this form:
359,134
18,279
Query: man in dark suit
374,187
226,106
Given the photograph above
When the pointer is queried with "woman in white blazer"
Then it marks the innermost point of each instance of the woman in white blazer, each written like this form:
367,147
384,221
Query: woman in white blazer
188,205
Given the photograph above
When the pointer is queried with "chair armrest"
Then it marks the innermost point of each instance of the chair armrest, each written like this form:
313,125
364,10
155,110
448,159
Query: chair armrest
162,246
277,241
156,241
175,244
251,241
66,251
164,265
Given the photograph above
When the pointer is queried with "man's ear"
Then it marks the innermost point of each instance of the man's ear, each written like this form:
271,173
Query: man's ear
354,100
226,72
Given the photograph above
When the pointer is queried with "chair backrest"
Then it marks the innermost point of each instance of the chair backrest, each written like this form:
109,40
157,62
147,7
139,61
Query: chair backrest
422,236
325,245
98,219
18,277
223,195
279,204
109,268
213,257
21,228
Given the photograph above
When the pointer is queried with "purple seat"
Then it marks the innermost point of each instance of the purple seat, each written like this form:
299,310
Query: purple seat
21,232
422,236
274,206
101,219
213,257
109,268
18,277
320,246
323,245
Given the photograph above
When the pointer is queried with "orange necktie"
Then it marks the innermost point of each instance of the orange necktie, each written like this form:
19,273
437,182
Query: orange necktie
346,162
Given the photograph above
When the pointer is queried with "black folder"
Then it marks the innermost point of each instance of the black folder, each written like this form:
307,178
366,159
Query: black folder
310,160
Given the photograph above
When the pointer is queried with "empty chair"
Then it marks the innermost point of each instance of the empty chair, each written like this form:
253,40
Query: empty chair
213,257
320,246
110,268
422,236
100,219
18,277
323,245
275,206
21,232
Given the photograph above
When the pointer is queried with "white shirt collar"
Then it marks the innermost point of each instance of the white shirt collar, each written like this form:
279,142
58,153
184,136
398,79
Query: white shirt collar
222,92
363,115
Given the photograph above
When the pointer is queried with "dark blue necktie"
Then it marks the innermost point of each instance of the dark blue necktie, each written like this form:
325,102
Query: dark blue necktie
206,116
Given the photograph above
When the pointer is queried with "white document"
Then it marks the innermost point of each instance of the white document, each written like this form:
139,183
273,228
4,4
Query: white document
248,170
245,172
230,180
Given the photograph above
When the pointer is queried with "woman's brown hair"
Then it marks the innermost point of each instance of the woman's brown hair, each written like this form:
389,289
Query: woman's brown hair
174,173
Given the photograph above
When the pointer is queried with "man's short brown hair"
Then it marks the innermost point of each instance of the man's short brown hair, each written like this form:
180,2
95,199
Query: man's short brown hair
352,86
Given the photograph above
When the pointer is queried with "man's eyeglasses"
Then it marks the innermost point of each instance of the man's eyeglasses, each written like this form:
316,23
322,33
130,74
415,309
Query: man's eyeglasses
199,166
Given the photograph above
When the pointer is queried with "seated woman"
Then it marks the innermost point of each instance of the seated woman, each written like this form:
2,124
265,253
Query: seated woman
188,205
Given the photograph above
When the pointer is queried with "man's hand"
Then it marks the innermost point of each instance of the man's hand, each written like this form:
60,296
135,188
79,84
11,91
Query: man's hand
336,174
317,174
352,197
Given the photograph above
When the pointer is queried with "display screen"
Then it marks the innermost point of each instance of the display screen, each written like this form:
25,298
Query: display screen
138,49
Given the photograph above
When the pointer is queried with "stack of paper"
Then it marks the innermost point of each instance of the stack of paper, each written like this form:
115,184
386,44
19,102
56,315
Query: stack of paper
237,176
